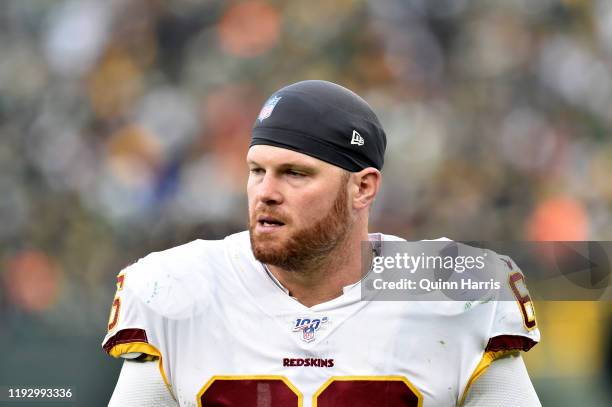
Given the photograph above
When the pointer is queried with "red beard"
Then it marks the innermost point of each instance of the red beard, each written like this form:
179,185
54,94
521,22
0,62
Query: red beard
306,246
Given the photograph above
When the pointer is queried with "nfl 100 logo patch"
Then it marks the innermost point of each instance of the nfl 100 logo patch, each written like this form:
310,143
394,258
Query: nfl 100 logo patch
268,107
309,327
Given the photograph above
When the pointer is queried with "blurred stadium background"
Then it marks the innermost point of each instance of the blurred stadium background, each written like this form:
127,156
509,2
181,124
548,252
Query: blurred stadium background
124,125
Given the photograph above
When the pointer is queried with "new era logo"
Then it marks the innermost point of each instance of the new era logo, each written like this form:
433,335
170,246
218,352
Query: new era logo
357,139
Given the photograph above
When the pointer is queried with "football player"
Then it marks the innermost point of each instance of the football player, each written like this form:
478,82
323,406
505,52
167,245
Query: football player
274,316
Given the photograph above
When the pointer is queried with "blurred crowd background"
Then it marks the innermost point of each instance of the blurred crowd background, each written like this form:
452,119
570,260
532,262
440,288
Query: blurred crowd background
124,125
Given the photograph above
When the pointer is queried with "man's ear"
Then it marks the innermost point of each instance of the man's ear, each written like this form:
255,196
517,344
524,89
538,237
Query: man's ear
366,184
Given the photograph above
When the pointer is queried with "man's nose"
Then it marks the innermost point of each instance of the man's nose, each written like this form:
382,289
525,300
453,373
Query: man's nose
269,190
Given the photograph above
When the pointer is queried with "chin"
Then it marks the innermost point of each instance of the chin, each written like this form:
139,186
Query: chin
266,242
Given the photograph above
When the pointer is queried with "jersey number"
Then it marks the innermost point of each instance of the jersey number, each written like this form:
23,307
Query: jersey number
340,391
517,284
114,314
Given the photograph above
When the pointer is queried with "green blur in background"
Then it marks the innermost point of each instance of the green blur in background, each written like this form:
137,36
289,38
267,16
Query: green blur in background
124,125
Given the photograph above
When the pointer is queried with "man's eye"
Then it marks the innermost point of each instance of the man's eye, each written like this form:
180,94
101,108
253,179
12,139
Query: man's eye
295,174
256,171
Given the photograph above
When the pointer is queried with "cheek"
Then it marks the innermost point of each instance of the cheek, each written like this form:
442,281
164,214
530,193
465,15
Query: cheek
308,210
250,208
250,192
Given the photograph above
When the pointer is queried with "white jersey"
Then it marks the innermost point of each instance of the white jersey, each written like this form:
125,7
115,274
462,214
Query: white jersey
226,334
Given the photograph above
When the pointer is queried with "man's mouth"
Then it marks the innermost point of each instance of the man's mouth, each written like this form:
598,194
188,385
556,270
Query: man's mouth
269,221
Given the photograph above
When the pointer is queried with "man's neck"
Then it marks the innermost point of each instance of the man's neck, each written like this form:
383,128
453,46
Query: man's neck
325,280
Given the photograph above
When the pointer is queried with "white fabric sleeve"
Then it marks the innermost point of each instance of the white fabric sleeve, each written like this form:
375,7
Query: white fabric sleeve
140,384
505,383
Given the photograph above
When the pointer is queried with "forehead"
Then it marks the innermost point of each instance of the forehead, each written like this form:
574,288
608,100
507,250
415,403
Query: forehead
276,156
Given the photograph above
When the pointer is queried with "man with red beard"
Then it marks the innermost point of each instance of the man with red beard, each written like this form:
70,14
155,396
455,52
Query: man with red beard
275,316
